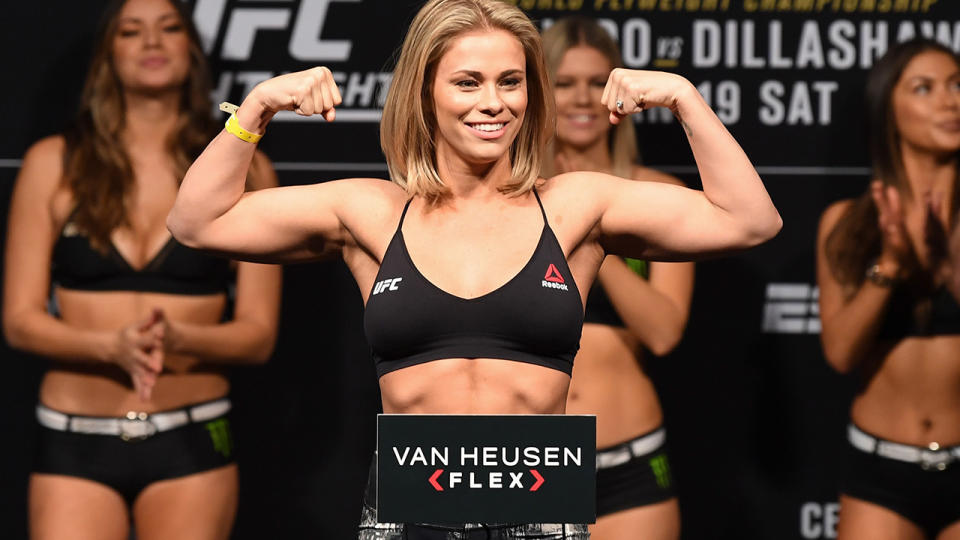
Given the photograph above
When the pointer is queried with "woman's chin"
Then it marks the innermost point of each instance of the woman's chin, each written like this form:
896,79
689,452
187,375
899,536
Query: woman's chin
154,85
579,139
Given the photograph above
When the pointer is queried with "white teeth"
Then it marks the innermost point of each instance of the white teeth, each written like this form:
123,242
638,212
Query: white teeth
487,127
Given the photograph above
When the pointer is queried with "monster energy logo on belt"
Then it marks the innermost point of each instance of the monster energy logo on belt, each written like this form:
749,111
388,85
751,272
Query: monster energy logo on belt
220,435
661,469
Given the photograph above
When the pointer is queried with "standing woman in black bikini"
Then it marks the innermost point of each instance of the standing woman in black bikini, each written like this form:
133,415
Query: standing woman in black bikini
133,409
468,322
631,306
886,314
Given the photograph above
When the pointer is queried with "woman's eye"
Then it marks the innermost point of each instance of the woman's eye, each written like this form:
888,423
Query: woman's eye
467,84
562,84
921,89
173,28
510,82
128,32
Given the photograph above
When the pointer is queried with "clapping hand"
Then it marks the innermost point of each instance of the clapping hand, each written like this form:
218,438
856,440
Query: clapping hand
138,349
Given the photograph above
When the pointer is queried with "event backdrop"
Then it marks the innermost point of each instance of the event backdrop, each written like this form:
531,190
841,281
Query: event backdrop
755,416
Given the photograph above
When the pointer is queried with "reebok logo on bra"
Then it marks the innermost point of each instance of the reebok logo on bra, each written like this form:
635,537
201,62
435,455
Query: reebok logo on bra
553,280
387,285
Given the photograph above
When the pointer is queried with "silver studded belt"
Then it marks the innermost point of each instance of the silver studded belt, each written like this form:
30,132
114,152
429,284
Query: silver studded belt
622,453
930,457
135,425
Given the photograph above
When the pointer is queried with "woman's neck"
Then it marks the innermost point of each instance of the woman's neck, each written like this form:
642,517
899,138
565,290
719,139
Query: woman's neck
927,172
475,181
594,157
150,119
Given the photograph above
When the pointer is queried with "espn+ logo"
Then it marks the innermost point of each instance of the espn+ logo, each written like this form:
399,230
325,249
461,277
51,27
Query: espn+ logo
230,31
791,308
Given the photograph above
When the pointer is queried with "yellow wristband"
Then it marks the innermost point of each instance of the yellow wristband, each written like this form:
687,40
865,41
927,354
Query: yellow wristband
233,126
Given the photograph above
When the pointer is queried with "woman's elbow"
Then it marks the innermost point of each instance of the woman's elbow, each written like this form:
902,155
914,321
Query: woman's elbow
666,341
762,230
663,346
262,355
182,230
263,350
13,331
775,225
838,359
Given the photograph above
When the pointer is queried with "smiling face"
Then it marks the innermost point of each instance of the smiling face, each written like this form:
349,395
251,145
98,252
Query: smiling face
926,103
479,96
578,87
151,49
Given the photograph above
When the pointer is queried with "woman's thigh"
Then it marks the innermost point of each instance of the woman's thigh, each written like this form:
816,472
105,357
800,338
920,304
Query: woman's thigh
659,521
71,508
200,506
952,532
862,520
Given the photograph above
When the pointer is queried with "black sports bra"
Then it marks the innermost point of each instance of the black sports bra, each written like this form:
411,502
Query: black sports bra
535,318
909,316
600,309
175,269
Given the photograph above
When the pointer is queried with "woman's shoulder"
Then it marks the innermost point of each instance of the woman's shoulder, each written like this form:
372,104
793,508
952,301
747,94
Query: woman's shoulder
572,182
51,147
376,189
831,215
835,210
42,165
40,180
370,200
580,188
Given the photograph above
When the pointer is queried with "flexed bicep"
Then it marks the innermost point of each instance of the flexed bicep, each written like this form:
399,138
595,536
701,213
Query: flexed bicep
658,221
293,223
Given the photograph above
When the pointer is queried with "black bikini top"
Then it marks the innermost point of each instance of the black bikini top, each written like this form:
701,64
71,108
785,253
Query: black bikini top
599,308
930,315
175,269
535,318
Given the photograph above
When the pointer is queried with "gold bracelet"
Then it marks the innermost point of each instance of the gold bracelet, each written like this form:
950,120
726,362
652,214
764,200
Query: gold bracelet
233,125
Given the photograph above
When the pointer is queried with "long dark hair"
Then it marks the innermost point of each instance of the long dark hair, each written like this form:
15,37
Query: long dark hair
855,240
97,168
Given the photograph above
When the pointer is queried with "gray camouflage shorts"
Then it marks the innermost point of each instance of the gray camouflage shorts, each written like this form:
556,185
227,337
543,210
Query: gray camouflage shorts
370,529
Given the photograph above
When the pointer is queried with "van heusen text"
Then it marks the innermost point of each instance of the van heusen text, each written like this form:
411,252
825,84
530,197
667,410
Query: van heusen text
489,457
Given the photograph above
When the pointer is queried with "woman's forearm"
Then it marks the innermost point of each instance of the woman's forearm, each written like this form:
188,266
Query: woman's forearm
42,334
729,180
649,315
217,179
233,342
850,332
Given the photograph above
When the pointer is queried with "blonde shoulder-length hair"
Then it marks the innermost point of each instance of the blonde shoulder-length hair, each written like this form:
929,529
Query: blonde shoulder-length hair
408,127
571,32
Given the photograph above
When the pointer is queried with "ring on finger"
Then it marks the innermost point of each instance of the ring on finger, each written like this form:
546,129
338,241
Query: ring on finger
619,104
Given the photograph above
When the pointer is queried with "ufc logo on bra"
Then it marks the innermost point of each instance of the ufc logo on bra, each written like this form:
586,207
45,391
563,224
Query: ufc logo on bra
386,285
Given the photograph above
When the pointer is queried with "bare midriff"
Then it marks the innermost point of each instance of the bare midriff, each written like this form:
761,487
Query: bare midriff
105,389
914,397
474,386
608,381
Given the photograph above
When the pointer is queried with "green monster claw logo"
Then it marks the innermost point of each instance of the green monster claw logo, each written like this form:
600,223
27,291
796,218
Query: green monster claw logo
220,435
661,469
639,267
